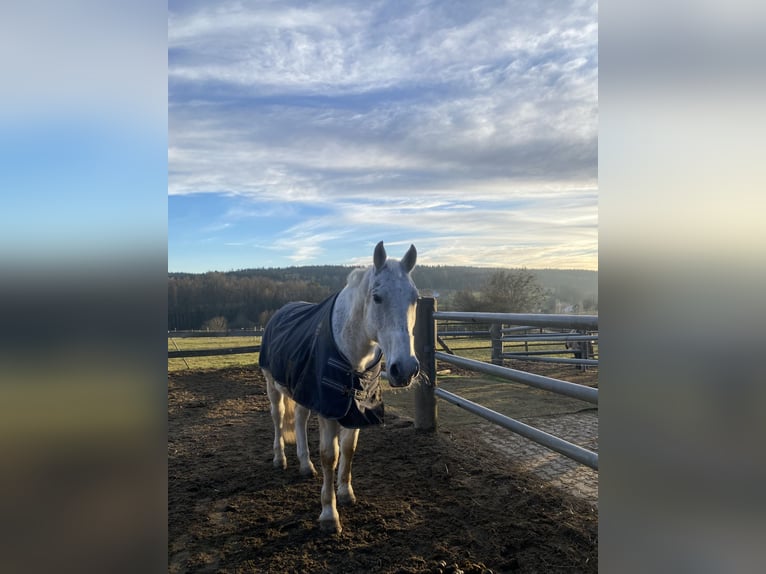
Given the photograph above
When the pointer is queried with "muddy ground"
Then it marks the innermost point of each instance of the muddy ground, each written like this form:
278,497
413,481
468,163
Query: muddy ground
442,502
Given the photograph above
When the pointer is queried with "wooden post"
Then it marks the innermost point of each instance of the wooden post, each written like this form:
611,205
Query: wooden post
496,333
425,347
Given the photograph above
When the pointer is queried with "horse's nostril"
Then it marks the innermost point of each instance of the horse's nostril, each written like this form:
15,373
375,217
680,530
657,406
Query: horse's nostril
402,372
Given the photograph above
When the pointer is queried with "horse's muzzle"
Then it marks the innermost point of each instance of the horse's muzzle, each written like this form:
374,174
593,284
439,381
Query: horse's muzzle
401,373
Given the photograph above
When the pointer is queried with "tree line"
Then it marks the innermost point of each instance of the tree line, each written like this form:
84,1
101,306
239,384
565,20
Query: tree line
245,299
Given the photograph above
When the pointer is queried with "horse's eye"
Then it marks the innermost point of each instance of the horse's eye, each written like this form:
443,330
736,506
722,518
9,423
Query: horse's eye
377,298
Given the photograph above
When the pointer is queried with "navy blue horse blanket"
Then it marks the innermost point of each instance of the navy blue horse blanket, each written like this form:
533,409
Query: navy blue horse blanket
299,350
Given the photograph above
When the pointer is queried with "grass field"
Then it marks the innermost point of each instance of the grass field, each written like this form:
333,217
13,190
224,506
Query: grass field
215,362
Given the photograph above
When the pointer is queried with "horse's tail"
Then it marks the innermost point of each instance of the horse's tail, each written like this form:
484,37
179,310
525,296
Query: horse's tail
288,421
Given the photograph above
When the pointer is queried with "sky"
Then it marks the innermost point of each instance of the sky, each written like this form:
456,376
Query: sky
303,133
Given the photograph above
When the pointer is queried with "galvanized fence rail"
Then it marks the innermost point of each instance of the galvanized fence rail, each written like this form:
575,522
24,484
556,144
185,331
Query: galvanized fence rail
568,449
425,345
577,343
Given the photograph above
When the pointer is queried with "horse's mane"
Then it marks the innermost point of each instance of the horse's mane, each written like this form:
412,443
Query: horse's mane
355,277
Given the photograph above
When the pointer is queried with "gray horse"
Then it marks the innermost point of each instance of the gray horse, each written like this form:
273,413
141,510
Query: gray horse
326,358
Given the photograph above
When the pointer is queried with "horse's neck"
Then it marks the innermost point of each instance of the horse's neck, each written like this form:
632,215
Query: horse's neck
348,325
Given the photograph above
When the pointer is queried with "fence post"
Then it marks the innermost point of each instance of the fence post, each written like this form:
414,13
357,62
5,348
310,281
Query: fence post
425,347
496,334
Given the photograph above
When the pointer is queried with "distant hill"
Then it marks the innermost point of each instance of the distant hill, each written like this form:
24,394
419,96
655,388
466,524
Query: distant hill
247,297
441,278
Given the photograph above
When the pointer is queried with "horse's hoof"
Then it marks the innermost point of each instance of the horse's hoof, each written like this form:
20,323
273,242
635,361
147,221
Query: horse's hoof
280,464
309,471
346,498
330,527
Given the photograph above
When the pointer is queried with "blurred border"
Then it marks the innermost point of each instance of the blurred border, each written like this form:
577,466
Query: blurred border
83,253
682,270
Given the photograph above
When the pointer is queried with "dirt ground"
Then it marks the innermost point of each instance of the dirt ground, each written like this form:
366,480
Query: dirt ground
427,502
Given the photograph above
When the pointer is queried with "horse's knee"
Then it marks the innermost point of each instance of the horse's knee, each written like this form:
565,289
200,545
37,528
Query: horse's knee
328,450
329,465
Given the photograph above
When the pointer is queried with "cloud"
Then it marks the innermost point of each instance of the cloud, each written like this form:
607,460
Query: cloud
372,108
523,230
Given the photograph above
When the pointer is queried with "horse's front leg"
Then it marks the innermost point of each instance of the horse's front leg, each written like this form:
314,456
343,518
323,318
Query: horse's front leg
329,521
348,438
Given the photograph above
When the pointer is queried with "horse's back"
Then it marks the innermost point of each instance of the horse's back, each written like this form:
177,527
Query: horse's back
288,341
284,330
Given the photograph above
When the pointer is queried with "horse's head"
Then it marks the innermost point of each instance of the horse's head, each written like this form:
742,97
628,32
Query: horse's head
390,314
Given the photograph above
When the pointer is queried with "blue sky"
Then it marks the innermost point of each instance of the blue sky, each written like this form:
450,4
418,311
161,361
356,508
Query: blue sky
304,133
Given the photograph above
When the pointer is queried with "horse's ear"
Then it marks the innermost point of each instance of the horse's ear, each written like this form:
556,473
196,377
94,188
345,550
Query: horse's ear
408,261
380,256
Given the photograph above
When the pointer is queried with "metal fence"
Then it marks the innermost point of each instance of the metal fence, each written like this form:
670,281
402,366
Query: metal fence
426,340
525,343
425,399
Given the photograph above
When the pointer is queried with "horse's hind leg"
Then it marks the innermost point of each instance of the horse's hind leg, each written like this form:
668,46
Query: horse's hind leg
301,440
348,438
277,415
329,521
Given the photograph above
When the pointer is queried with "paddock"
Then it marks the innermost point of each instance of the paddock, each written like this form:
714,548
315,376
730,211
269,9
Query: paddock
427,502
